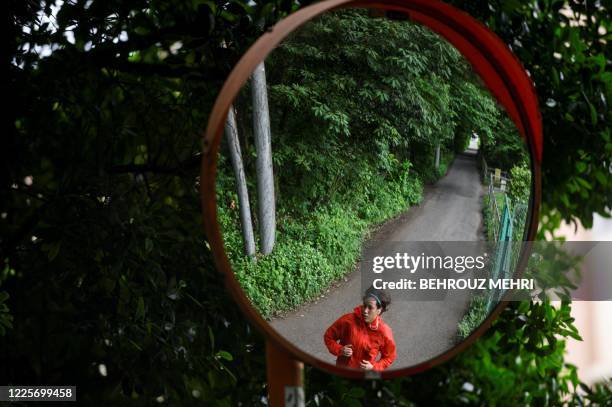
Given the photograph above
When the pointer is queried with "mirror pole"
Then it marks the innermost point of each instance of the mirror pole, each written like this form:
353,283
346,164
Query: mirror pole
285,377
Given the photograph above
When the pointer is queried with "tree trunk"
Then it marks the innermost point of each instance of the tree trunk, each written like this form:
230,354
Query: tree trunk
437,162
263,145
231,132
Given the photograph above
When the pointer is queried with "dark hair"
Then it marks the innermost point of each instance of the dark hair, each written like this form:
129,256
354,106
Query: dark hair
383,300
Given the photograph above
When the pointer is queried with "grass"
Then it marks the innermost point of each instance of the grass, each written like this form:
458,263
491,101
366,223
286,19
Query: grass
477,312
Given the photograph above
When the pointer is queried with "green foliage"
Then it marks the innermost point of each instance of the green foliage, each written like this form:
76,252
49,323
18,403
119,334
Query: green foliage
429,173
480,114
98,245
391,86
569,64
504,147
477,312
102,248
555,270
491,219
520,184
344,163
462,141
446,160
539,357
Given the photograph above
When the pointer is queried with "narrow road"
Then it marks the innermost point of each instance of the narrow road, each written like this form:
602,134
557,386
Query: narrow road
450,211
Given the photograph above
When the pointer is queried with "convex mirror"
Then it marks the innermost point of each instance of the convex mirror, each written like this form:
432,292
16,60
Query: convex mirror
372,189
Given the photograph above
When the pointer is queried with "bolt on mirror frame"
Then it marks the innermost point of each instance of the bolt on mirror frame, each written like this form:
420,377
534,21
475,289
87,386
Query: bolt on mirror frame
501,72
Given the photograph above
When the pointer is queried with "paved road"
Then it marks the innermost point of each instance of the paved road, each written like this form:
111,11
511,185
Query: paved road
450,211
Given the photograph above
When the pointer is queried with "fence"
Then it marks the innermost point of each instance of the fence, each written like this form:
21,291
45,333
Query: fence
507,223
494,177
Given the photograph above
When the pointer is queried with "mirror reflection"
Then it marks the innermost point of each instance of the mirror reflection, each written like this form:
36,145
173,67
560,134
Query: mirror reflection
356,134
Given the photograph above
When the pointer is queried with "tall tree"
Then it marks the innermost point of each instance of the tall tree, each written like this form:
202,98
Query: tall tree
231,132
263,144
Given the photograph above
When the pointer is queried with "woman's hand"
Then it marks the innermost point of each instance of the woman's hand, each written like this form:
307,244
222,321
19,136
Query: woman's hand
366,365
347,350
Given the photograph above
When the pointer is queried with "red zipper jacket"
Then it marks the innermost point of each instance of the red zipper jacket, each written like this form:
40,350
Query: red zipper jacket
367,340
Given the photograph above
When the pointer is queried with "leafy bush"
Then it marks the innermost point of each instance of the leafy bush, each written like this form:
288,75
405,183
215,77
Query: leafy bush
503,147
520,184
431,174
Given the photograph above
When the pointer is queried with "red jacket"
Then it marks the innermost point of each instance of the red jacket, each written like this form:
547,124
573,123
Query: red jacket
367,340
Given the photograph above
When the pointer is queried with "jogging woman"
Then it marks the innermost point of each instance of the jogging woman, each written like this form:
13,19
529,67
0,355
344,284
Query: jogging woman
359,337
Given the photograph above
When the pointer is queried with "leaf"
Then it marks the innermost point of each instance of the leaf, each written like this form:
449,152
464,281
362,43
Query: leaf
584,183
601,177
225,355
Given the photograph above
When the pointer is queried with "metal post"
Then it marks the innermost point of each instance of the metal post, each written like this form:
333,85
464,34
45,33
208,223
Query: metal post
285,378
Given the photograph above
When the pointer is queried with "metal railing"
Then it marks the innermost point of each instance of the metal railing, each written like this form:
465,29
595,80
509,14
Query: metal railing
494,210
508,230
507,223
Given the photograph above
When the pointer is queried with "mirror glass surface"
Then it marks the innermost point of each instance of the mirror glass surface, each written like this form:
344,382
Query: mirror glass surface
385,148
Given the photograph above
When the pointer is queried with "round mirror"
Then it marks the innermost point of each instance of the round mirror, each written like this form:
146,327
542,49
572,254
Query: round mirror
369,188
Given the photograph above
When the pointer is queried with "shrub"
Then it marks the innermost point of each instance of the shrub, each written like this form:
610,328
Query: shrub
520,183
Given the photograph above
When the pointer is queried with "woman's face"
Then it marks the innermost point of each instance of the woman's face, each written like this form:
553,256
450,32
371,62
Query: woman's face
370,310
